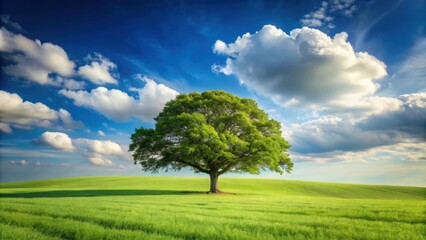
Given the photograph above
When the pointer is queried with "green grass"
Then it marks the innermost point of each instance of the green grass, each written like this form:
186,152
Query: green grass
177,208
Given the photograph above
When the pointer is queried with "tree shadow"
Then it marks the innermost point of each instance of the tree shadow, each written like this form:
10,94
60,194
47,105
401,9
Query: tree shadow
95,193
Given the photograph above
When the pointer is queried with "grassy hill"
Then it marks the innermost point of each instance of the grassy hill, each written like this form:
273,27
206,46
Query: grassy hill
177,208
238,186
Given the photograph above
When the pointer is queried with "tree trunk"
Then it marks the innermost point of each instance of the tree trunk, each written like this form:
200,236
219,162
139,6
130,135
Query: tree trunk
214,177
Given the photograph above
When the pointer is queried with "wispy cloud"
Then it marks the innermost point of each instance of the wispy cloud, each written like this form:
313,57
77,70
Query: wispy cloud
369,21
6,21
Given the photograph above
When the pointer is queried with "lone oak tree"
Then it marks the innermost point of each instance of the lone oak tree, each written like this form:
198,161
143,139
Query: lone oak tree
213,132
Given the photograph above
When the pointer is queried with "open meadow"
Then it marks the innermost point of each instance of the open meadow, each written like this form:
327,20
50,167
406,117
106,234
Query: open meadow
178,208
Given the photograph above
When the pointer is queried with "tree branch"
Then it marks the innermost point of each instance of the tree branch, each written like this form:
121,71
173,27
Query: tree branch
199,168
229,166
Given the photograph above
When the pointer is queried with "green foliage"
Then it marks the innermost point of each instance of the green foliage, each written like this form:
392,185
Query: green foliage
212,132
162,208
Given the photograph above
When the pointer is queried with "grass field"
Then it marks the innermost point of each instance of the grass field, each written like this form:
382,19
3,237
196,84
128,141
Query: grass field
176,208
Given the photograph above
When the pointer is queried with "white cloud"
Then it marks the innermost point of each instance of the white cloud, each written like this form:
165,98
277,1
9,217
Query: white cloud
5,127
344,7
409,118
321,16
25,163
5,19
406,151
331,133
20,162
34,60
38,163
97,159
99,147
55,140
68,121
24,114
101,133
96,152
100,70
73,84
119,106
318,18
334,137
306,68
15,110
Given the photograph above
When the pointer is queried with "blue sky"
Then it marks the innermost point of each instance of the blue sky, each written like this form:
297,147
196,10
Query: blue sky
346,78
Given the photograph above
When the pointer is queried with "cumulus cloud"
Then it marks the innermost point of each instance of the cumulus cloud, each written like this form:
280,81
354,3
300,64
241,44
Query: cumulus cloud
96,152
24,114
99,147
33,60
101,133
344,7
15,110
332,133
100,70
318,18
409,119
343,137
5,127
321,16
306,68
118,105
55,140
97,159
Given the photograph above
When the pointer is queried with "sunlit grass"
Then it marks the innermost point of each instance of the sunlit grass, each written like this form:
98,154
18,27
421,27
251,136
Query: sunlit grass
177,208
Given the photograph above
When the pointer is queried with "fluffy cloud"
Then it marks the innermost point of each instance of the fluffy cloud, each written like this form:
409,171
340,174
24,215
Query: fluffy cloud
318,18
55,140
344,7
119,106
409,119
306,68
71,83
24,114
101,133
5,127
96,152
99,147
34,60
339,137
15,110
100,70
332,133
321,16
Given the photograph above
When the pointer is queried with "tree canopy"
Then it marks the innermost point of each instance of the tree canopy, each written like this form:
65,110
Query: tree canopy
213,132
